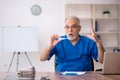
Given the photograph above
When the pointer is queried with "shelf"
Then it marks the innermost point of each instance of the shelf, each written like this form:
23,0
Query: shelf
113,8
85,18
102,18
108,28
107,25
108,32
103,32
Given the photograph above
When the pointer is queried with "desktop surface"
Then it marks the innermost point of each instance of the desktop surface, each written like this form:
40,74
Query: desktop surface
90,75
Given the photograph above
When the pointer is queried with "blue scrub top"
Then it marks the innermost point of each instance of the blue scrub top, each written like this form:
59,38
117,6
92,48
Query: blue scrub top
76,57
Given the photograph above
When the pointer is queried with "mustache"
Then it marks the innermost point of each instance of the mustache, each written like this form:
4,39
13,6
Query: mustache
70,33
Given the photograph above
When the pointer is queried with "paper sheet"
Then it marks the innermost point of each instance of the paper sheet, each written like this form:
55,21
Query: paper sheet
73,73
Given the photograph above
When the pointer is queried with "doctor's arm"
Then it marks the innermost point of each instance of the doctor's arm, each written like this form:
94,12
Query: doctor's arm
46,52
100,47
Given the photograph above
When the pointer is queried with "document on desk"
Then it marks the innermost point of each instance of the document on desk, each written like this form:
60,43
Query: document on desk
73,73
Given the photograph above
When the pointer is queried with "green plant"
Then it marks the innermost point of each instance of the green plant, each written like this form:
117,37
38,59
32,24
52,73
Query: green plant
106,12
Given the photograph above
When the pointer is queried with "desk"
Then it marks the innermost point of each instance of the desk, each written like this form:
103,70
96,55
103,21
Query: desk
57,76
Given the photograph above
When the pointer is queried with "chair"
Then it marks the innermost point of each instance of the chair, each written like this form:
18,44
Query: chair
92,64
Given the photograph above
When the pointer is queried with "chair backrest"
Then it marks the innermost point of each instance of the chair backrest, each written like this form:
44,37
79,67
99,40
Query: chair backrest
55,63
92,64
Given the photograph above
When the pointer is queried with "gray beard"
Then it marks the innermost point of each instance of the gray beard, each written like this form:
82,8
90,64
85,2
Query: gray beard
73,38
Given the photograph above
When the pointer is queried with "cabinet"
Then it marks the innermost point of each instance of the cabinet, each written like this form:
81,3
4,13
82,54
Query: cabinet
107,27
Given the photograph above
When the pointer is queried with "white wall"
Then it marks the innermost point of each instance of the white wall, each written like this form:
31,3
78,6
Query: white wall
51,20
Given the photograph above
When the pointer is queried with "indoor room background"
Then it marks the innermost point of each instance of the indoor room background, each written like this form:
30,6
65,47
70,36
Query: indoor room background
17,14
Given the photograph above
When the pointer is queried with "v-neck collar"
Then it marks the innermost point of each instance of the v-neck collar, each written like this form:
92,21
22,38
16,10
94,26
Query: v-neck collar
70,43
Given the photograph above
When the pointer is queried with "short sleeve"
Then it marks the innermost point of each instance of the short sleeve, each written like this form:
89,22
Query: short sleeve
53,51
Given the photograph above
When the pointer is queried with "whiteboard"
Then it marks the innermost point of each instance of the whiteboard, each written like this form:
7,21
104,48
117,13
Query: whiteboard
20,39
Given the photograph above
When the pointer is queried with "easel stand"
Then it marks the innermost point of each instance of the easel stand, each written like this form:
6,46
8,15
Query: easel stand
17,64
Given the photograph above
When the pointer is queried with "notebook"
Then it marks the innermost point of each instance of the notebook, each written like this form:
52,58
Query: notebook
111,63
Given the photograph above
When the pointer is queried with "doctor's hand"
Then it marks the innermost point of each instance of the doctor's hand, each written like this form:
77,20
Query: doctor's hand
93,35
54,40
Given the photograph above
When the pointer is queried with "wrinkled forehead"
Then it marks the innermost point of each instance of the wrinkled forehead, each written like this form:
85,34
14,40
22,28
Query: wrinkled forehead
71,21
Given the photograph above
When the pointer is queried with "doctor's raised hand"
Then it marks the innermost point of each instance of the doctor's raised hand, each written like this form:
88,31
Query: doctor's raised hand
93,35
101,49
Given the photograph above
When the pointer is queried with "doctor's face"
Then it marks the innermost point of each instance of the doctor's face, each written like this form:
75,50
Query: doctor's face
72,28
